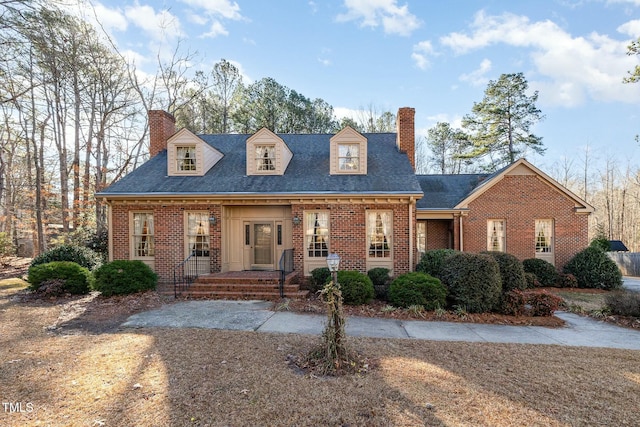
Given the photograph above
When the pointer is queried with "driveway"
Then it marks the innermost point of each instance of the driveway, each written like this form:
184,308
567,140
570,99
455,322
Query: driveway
632,283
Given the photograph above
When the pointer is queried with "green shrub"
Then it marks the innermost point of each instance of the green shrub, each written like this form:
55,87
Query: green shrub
594,269
77,279
624,303
82,256
319,277
473,281
418,289
532,280
545,271
356,287
431,261
511,271
380,278
7,248
124,277
600,240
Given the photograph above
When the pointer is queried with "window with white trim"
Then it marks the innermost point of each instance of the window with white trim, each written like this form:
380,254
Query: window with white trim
421,236
265,158
349,157
186,158
143,235
379,234
198,233
317,234
496,235
544,235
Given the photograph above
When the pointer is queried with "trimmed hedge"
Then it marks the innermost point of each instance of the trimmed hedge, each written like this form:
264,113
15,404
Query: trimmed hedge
82,256
381,280
594,269
124,277
511,271
432,261
545,271
356,287
473,281
77,279
319,277
418,289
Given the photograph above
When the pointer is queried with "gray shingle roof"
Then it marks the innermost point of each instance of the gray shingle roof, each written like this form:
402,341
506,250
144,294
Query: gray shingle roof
389,171
446,191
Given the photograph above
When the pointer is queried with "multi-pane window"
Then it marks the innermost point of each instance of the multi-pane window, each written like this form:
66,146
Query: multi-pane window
143,244
544,235
495,235
265,158
317,234
186,158
348,157
379,234
198,233
421,236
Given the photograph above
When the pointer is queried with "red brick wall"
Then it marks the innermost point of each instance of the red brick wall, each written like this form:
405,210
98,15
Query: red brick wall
520,200
438,233
162,125
168,235
348,231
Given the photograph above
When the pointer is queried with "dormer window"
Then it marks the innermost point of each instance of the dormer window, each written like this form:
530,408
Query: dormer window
186,158
188,155
265,158
348,157
267,154
348,153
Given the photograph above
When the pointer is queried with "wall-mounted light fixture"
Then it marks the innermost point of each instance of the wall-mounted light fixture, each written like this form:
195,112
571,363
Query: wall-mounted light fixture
296,220
212,220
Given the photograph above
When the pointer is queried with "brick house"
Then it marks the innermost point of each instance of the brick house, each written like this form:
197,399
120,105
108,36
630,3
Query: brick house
240,202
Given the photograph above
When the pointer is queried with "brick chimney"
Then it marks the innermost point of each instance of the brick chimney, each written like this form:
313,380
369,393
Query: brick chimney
162,125
406,136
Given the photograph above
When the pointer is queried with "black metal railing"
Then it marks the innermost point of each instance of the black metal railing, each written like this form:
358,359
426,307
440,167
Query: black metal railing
285,266
184,274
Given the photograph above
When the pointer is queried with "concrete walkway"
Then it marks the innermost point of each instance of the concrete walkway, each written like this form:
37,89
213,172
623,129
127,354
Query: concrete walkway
257,316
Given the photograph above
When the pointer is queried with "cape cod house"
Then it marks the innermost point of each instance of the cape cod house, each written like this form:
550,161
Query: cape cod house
236,203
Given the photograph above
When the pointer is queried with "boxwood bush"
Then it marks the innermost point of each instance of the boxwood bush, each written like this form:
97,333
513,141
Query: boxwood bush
473,281
77,279
431,261
381,280
511,271
124,277
82,256
319,277
594,269
356,287
418,289
545,271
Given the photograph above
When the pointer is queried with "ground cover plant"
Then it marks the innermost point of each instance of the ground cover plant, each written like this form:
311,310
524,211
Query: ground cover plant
58,356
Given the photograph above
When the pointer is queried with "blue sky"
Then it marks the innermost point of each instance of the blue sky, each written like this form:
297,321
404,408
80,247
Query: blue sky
435,56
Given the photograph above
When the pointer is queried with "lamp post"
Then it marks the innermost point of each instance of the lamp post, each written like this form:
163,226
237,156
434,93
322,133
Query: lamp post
333,262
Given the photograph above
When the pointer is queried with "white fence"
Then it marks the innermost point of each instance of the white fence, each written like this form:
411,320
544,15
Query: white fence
628,262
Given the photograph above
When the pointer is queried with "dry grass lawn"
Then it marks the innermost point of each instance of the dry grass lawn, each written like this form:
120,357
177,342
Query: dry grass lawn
67,370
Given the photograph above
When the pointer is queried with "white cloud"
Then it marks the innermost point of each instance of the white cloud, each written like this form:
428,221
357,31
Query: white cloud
631,28
569,69
110,19
372,13
158,26
214,12
421,53
478,77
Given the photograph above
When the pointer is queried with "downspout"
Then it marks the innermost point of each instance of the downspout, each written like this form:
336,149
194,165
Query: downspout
461,234
411,237
109,229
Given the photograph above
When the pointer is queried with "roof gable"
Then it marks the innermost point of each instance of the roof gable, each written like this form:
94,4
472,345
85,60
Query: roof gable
523,167
267,154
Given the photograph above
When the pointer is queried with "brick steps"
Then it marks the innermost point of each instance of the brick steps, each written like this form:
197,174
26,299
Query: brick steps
250,285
